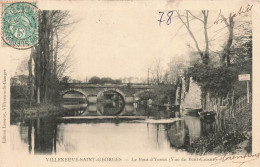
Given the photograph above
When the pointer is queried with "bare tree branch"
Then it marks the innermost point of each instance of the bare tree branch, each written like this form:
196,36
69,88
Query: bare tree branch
195,16
190,32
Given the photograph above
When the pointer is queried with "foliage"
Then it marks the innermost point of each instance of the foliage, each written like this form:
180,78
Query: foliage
227,139
117,81
164,93
19,80
94,80
19,92
216,80
241,51
147,95
19,88
220,142
104,80
65,79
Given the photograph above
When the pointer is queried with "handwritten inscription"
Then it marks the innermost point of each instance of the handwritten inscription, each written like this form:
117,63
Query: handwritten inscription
241,11
168,17
239,159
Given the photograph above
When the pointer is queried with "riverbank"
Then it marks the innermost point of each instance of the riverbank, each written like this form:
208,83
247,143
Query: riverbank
22,109
233,138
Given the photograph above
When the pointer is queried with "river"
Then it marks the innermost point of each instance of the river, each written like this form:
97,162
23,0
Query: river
55,135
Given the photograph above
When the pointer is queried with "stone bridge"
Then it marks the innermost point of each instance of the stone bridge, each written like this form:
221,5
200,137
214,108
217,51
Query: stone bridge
129,92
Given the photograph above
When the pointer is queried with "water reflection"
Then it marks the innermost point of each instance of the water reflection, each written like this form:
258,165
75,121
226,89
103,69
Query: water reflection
176,134
109,109
107,103
44,136
51,136
193,127
110,103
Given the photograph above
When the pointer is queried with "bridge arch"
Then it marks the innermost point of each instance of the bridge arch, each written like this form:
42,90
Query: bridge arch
111,111
62,93
122,94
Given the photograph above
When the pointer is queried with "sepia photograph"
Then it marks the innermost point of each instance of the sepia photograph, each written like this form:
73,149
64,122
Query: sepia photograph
129,86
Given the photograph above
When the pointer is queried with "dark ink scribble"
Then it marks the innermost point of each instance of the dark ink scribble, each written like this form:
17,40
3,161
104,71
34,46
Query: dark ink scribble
245,157
241,10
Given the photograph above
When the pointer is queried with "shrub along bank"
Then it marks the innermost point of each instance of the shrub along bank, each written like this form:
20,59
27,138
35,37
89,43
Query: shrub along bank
236,136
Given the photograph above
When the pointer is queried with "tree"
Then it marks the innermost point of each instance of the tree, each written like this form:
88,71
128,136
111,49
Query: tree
204,54
94,80
106,80
118,81
210,84
185,19
157,71
86,80
175,68
47,68
226,51
19,88
65,79
76,81
241,50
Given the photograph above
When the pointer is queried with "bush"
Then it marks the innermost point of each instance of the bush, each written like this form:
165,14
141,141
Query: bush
215,80
164,93
227,139
19,92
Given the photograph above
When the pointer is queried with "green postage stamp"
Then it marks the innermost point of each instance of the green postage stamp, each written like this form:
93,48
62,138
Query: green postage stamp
19,25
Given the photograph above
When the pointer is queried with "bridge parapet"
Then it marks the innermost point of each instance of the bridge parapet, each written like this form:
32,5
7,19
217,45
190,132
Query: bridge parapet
90,85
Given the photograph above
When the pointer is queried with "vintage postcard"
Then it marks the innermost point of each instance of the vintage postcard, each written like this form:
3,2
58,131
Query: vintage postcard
129,83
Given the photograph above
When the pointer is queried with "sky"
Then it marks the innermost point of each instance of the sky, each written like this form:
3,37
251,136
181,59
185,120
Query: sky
122,44
125,43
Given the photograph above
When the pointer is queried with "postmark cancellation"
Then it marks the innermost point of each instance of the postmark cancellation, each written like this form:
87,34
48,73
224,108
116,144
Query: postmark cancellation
19,25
